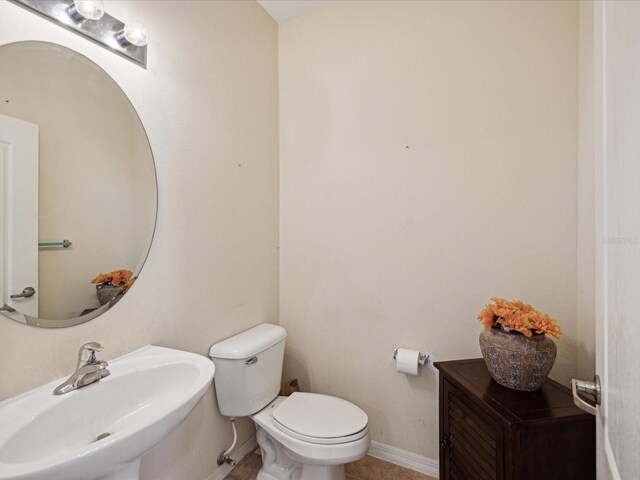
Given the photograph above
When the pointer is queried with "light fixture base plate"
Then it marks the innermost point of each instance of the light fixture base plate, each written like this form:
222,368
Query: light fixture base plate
103,31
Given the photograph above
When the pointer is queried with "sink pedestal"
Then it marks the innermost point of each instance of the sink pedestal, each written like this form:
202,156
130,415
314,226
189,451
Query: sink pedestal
130,472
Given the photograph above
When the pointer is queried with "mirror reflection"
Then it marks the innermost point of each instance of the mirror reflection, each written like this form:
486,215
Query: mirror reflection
79,195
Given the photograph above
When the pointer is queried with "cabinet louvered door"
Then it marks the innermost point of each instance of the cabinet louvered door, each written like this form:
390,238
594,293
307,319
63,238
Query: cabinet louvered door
470,441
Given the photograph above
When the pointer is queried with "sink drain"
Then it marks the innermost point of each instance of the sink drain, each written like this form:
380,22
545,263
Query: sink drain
101,436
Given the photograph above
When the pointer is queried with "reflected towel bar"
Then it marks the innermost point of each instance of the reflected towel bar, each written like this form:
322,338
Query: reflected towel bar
63,244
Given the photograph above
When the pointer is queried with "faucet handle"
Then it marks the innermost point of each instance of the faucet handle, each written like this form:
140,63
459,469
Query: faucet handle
87,353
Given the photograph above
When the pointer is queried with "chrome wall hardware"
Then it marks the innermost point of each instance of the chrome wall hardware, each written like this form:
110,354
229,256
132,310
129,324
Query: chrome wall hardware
63,244
423,358
88,18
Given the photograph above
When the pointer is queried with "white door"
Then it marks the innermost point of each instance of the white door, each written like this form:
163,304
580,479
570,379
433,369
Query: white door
617,140
18,214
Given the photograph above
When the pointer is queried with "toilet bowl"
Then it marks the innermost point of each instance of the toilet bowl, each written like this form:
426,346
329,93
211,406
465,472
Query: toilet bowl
306,436
310,436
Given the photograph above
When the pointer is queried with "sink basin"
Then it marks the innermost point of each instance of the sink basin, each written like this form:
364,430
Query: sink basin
101,431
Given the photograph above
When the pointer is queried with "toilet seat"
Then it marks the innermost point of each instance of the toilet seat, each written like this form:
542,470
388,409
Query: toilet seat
320,419
272,438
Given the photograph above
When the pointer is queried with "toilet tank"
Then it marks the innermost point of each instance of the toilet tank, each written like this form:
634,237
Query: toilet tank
248,369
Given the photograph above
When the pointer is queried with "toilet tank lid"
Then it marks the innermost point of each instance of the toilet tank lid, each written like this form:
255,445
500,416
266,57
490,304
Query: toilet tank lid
249,343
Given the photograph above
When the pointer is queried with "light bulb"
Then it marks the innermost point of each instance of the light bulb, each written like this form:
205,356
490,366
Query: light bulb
86,10
134,33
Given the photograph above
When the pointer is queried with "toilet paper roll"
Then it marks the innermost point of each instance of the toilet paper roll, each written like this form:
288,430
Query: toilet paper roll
407,361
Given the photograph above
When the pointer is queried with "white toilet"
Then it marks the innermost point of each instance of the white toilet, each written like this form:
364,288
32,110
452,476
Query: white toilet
306,436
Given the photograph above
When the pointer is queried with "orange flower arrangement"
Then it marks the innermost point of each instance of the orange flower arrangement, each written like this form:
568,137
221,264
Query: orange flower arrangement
518,316
116,278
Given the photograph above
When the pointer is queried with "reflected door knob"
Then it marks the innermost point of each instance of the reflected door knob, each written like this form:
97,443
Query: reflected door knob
26,293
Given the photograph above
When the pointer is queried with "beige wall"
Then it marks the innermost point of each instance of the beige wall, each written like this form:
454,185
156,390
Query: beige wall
209,102
427,162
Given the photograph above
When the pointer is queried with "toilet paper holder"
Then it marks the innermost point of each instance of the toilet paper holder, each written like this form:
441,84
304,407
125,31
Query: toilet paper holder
423,358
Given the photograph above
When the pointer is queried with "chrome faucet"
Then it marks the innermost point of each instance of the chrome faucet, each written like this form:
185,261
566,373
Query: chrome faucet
88,371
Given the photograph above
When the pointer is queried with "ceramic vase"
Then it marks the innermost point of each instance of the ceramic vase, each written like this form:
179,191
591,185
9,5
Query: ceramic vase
516,361
107,292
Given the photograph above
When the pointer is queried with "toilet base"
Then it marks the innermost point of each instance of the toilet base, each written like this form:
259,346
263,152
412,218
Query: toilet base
280,464
318,473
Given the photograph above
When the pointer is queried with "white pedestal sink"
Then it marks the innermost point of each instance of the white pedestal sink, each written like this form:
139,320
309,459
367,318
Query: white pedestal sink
99,432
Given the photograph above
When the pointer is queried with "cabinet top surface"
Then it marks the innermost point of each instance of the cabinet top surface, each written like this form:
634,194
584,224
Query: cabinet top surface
552,401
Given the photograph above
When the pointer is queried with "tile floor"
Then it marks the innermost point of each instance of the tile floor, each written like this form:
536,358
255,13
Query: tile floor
368,468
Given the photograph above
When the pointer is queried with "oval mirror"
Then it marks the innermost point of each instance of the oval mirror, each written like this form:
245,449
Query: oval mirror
78,187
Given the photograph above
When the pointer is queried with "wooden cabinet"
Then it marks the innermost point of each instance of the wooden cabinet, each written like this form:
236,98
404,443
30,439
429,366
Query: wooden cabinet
489,432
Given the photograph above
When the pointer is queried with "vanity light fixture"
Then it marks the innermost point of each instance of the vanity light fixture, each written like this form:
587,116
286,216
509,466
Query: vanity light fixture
88,18
81,10
133,33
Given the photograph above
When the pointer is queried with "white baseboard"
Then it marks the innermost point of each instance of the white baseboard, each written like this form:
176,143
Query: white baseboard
224,470
406,459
